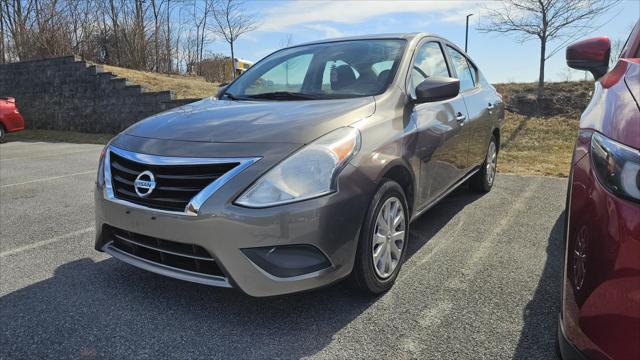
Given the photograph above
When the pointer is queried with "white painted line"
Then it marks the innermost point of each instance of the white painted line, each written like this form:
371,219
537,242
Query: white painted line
44,242
48,155
49,178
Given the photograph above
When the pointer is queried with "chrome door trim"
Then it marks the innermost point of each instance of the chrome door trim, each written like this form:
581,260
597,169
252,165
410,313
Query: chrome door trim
193,207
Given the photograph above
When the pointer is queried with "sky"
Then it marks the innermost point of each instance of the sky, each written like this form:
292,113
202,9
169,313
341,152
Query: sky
502,58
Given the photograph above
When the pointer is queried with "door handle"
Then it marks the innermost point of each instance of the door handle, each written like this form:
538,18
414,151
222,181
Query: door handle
460,118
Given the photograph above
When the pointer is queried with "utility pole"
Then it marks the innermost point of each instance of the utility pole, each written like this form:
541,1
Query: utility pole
466,35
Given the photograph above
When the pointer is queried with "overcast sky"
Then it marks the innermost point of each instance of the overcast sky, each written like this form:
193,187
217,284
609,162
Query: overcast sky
501,57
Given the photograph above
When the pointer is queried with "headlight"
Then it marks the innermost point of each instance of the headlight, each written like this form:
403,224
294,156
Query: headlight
308,173
617,166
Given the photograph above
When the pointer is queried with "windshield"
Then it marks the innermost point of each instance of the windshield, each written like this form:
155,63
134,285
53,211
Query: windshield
322,71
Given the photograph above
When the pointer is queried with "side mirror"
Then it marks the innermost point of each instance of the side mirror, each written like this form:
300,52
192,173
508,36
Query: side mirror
591,55
437,88
221,90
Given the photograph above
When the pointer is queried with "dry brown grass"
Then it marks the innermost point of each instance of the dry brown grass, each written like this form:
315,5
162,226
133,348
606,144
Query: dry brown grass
184,86
508,89
537,146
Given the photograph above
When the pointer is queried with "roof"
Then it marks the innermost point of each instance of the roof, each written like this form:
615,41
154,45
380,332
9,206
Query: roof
406,36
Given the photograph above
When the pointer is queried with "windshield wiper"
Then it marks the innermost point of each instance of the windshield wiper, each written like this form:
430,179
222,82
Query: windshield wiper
233,97
283,95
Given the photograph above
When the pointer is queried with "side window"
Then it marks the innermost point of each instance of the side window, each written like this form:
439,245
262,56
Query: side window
429,61
287,76
465,73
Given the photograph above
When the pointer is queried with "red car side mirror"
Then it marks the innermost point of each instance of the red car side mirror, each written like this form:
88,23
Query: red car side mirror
590,55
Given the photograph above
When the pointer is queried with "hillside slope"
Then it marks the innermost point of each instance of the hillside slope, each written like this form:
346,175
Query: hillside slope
538,139
184,86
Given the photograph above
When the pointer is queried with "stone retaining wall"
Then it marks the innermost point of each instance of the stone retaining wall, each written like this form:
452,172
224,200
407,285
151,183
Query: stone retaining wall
68,94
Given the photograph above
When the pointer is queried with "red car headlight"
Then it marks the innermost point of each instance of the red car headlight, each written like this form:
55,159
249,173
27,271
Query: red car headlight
617,166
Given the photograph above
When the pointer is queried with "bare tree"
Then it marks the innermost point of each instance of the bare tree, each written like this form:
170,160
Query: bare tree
286,41
150,35
546,20
231,22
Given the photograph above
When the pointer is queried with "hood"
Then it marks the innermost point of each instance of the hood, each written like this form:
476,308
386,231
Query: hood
211,120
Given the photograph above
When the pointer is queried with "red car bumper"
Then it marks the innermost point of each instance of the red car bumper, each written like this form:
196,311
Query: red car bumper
601,284
13,121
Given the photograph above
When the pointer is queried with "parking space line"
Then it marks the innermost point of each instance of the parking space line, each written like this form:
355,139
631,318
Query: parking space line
45,156
49,178
44,242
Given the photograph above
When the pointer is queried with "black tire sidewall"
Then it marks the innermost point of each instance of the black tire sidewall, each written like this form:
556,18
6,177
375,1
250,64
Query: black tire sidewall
364,272
479,181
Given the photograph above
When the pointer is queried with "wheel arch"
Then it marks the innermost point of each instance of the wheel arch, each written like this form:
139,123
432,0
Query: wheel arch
400,172
496,133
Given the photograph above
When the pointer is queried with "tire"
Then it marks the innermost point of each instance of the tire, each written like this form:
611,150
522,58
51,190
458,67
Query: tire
375,277
483,180
2,134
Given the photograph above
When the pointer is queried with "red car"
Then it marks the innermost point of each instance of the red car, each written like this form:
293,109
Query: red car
600,312
10,118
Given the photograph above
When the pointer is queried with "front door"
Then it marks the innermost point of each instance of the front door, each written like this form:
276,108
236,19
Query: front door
442,142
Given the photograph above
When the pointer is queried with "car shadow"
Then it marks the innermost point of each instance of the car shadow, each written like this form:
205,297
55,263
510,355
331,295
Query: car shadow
107,309
538,334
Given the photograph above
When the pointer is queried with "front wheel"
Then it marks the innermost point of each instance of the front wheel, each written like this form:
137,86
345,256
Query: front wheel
383,240
483,180
2,134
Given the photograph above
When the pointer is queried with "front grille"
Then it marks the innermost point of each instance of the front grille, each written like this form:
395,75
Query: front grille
175,186
189,257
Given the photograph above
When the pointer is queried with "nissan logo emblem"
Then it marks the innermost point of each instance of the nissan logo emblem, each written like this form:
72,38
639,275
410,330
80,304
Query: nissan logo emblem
144,184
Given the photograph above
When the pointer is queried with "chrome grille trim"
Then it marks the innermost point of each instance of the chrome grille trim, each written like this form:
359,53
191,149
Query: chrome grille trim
165,270
193,207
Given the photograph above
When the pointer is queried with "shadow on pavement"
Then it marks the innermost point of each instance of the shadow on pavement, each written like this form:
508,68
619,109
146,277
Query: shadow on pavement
108,309
541,313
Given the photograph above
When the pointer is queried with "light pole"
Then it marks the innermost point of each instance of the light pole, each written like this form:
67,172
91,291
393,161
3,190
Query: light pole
466,35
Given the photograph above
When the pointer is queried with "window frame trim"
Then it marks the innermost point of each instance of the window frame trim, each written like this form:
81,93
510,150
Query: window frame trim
422,42
476,82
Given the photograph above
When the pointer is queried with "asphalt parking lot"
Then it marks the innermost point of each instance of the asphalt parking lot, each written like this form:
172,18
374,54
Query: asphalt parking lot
481,282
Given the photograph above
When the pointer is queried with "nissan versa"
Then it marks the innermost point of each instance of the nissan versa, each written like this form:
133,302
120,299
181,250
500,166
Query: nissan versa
305,170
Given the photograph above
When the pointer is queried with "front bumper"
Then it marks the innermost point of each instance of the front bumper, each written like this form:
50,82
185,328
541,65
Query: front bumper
601,282
330,224
567,350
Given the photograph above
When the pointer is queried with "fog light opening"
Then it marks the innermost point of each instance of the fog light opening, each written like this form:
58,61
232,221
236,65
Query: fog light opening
288,261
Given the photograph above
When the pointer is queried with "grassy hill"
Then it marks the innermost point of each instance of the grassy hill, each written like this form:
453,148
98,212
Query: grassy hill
184,86
539,140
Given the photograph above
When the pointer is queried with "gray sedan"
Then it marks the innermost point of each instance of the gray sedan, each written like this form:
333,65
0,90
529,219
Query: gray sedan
305,170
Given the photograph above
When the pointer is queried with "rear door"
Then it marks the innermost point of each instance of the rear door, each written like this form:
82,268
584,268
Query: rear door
480,100
442,145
